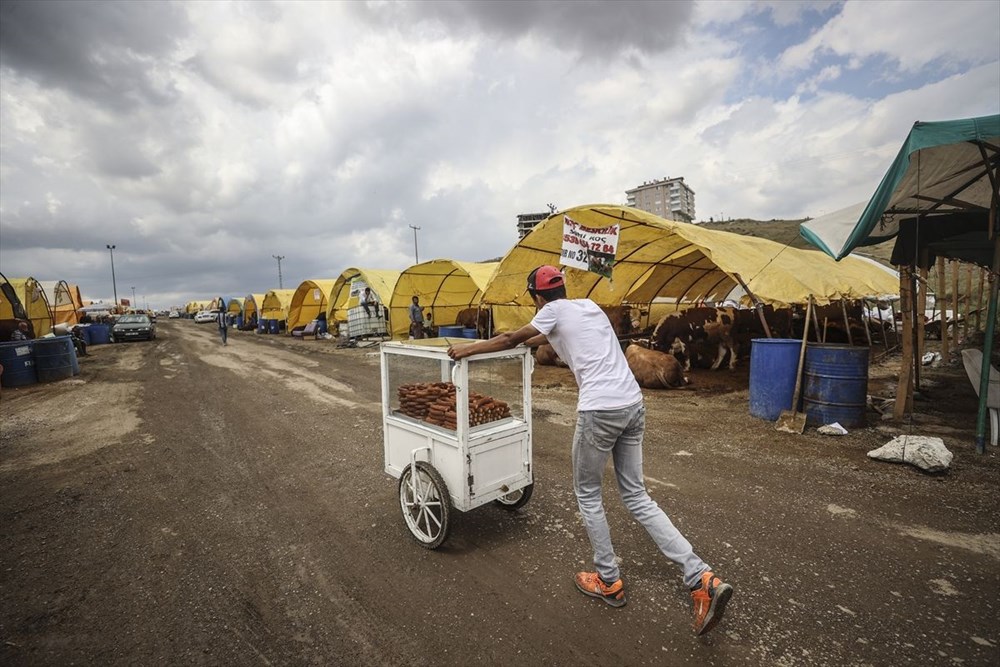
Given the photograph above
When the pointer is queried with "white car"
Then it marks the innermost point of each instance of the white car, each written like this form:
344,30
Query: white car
173,315
203,317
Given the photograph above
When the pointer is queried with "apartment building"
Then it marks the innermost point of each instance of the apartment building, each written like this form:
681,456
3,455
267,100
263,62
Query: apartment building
527,221
668,198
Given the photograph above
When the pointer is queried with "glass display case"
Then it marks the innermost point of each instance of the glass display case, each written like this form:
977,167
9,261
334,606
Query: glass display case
456,434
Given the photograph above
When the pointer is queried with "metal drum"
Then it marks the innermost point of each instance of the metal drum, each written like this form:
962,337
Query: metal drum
835,385
18,361
55,358
773,364
273,326
100,334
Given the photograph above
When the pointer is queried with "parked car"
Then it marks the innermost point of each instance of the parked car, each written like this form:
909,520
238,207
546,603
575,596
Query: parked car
133,327
204,317
173,315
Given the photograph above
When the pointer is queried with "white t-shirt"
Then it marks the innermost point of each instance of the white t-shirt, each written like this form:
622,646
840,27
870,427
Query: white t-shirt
582,336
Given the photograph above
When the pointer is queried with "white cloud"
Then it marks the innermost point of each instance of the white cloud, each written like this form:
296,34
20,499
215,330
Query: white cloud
199,149
911,34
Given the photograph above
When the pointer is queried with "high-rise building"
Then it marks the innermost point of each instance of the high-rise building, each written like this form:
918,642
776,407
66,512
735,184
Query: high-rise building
527,221
669,198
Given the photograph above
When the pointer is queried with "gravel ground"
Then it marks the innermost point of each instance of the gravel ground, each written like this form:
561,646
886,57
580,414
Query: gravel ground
184,502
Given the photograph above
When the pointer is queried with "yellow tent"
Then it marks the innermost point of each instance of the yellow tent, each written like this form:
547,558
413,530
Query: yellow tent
24,298
64,300
382,282
680,262
235,306
445,287
310,299
251,307
193,307
276,303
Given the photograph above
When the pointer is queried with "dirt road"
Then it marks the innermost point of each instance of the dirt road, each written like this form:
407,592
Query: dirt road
184,502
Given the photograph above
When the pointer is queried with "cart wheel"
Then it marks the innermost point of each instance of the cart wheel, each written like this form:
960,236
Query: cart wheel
424,500
516,499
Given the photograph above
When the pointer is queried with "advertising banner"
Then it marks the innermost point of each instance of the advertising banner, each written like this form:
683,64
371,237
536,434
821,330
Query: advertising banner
588,248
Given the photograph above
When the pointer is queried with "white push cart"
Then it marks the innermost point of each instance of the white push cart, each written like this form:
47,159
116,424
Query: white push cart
457,434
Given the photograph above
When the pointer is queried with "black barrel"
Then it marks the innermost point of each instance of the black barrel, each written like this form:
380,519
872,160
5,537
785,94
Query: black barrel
835,385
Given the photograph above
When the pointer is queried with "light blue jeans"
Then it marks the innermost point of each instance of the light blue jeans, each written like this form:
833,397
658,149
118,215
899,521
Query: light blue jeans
605,433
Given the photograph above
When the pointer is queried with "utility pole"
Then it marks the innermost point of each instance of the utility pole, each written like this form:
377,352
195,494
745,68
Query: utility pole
279,258
114,283
134,304
416,256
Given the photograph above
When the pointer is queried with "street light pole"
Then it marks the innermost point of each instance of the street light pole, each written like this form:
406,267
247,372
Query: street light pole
416,256
279,258
114,283
134,304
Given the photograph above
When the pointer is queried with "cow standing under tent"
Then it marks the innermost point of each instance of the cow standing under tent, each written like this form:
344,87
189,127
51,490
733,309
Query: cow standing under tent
480,319
683,335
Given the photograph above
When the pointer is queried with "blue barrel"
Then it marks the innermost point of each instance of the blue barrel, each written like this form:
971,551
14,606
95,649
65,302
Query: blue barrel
54,359
447,332
470,333
261,325
239,322
85,334
100,334
18,361
72,348
773,365
835,385
321,326
273,326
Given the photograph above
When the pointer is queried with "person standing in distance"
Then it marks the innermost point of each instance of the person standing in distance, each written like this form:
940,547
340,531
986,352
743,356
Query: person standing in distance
610,424
416,319
223,326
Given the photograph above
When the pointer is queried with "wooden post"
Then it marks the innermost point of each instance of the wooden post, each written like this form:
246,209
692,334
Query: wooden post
867,322
979,299
941,297
847,322
816,326
968,301
904,394
922,304
954,298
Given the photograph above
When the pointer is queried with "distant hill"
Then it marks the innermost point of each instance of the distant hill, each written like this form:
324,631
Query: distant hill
786,232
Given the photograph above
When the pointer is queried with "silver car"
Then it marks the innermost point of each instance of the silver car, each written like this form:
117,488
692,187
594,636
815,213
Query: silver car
133,327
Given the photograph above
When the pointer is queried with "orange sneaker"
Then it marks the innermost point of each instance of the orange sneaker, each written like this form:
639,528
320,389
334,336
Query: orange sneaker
591,584
710,600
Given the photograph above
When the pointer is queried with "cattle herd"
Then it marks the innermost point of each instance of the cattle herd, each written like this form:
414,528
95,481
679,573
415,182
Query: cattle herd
710,337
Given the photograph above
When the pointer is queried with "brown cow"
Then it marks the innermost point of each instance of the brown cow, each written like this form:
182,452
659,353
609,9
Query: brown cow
545,355
478,319
681,334
654,370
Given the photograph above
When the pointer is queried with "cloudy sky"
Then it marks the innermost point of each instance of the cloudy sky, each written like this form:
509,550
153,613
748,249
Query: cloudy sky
202,138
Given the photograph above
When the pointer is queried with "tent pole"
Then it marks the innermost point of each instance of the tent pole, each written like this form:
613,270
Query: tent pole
968,302
758,306
868,331
942,298
904,388
922,304
979,300
991,321
954,298
847,322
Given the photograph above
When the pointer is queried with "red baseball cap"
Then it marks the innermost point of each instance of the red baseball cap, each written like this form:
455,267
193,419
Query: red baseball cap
545,278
